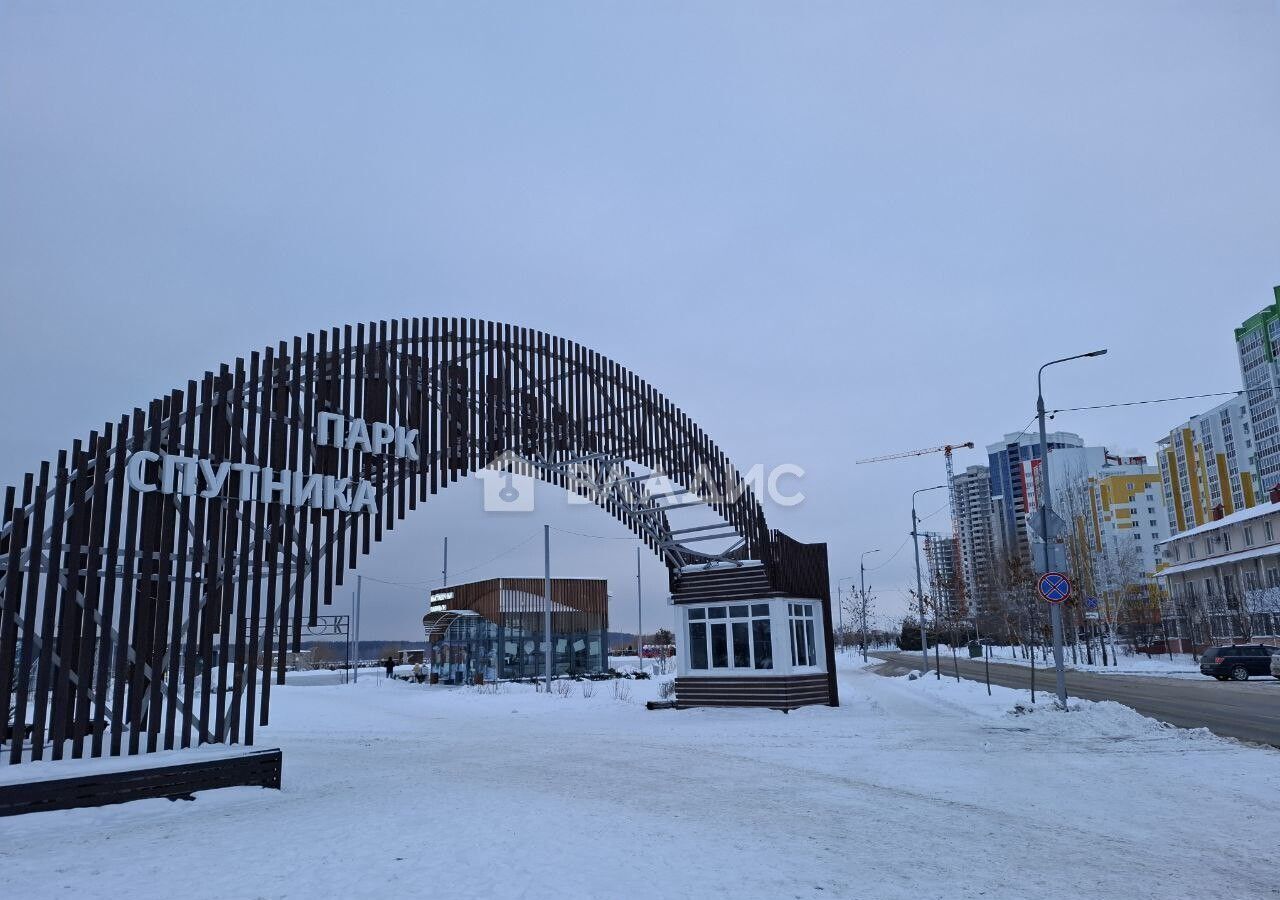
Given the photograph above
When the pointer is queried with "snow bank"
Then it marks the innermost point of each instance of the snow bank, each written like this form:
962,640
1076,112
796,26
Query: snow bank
1181,666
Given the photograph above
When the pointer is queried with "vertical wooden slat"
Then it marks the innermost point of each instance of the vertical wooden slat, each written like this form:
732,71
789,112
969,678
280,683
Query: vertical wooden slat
181,584
62,706
257,438
13,581
309,466
90,635
270,439
329,348
30,653
122,723
140,635
246,422
194,665
296,516
280,455
170,506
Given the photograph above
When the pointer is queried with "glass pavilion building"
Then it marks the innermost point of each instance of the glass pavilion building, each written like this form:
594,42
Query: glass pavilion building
496,629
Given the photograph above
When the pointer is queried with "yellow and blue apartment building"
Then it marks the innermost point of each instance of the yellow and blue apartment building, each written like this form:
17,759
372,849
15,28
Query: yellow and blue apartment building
1207,466
1127,510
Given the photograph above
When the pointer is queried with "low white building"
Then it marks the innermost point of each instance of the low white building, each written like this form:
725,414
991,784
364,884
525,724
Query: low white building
1222,580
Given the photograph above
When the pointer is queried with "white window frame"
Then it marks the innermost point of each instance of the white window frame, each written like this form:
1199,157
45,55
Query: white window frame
702,614
779,621
803,613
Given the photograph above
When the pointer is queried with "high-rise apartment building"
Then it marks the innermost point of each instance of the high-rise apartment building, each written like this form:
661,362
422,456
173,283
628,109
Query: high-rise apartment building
1207,466
976,527
1258,345
940,555
1013,463
1126,520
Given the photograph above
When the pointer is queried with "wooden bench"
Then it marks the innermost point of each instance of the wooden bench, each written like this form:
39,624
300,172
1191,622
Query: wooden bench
174,782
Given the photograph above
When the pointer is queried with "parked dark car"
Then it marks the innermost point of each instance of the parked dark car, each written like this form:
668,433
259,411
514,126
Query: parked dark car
1237,662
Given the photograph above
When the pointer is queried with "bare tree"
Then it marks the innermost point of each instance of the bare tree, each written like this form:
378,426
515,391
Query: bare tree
860,606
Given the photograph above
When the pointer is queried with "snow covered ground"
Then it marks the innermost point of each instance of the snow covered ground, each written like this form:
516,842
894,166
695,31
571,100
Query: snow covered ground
1182,665
910,789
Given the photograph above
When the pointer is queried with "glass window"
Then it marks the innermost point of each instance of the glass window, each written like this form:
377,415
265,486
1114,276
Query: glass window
1248,537
719,645
697,645
742,645
803,635
1268,532
762,639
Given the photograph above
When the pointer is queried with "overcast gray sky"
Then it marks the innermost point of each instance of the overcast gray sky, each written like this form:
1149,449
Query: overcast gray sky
825,230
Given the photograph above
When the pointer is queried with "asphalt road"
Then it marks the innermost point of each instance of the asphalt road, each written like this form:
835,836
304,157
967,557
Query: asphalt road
1248,710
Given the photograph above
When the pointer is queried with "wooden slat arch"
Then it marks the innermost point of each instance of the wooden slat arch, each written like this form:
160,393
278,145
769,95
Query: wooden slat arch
132,622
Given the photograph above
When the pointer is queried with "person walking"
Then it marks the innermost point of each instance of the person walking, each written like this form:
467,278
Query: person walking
391,666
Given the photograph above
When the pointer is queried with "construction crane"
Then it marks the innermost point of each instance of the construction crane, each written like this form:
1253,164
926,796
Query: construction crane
957,563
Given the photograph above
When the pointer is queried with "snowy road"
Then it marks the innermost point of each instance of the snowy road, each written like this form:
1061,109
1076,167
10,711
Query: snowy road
1248,710
910,789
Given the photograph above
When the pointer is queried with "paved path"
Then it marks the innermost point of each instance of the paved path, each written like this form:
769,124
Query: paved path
1247,710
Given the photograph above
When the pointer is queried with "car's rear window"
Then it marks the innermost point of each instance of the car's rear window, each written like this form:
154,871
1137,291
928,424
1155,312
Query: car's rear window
1210,654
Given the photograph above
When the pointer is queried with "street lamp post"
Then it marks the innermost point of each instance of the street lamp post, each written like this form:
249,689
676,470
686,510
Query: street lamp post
1046,509
915,543
862,598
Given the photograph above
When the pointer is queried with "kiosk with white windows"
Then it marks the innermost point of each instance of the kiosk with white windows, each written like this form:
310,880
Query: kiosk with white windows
741,643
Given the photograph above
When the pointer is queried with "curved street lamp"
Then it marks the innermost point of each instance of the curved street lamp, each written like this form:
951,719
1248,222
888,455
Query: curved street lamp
1055,612
862,597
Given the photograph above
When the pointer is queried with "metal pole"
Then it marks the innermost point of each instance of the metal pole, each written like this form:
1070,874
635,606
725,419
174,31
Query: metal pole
915,542
1055,615
1046,510
862,597
546,588
355,673
444,572
639,616
864,628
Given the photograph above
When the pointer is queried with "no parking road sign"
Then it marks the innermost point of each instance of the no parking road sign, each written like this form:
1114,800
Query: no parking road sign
1054,587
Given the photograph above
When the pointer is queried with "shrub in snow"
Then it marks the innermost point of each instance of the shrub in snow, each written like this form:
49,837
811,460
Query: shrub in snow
588,690
666,690
621,691
563,687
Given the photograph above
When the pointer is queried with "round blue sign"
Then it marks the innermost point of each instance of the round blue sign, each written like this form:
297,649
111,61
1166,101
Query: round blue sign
1054,587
